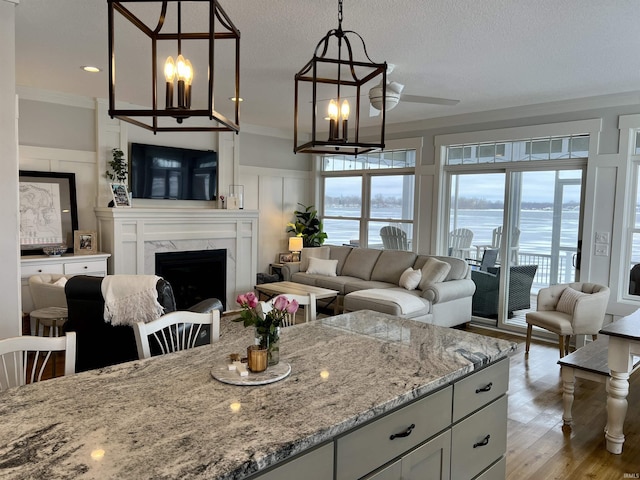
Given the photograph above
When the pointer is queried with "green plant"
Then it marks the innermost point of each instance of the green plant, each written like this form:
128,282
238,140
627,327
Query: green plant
119,167
308,226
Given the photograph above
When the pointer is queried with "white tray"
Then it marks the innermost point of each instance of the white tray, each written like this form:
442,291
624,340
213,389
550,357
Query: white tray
272,374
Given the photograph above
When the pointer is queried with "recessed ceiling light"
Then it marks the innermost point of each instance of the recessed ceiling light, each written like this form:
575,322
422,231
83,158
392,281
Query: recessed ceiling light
90,69
233,99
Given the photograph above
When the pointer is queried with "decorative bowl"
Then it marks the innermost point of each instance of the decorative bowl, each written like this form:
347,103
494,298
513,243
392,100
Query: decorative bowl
54,250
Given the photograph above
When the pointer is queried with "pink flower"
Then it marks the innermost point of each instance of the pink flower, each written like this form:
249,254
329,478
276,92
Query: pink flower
292,307
241,299
252,300
280,303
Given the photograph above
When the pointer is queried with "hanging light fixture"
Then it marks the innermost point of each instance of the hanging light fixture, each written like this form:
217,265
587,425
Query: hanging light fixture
333,86
179,74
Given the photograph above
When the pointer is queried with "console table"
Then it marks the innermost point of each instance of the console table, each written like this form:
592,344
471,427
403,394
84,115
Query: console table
67,264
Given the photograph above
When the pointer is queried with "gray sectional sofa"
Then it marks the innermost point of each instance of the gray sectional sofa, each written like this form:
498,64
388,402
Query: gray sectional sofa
370,279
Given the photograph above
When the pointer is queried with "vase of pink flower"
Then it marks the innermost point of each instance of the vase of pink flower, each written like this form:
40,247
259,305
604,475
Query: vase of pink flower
267,318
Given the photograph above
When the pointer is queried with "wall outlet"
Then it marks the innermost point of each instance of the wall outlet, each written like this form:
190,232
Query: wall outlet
602,237
602,250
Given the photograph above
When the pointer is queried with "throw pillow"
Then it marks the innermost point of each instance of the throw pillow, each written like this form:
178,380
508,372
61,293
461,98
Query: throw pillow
317,252
410,278
61,282
320,266
433,271
568,300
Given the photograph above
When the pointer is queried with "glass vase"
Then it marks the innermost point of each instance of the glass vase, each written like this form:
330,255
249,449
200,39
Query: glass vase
270,341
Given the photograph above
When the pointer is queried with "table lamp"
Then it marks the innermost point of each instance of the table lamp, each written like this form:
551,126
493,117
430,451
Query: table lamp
295,246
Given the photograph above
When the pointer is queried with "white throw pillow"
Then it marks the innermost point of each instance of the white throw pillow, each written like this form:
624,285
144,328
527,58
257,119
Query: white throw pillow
61,282
316,252
568,300
410,278
433,271
320,266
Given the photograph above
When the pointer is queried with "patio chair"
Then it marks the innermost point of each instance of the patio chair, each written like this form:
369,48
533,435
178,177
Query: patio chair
460,242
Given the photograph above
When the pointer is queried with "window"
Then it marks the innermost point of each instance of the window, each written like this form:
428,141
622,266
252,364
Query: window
366,193
634,221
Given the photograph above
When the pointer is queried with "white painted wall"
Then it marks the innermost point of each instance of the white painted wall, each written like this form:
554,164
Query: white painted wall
10,314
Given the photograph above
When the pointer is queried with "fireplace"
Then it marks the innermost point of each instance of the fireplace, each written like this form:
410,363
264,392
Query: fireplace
194,275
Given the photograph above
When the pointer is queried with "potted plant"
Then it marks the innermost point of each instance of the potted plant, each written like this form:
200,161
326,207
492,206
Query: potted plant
119,168
308,226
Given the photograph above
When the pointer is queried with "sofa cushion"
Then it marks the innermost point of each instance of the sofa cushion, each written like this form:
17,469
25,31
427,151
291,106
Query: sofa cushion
433,271
315,252
338,283
391,264
340,253
410,279
394,301
322,267
307,279
360,263
459,268
568,299
359,284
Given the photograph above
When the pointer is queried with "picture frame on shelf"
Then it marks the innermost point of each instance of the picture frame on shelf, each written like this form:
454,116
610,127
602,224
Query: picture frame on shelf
285,257
85,242
120,194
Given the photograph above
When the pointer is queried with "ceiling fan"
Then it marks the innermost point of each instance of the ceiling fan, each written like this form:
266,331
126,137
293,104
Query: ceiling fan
394,95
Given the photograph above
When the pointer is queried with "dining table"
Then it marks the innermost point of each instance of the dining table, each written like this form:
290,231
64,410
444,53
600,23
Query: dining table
624,344
171,417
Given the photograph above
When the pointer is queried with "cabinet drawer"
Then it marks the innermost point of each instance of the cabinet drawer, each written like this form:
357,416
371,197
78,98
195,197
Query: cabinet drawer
28,270
479,440
497,471
477,390
371,445
80,268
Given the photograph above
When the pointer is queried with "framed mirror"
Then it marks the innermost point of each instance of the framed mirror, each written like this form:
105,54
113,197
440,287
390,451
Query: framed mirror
48,210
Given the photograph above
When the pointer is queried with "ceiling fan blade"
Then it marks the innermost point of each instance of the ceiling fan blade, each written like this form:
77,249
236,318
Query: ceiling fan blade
430,100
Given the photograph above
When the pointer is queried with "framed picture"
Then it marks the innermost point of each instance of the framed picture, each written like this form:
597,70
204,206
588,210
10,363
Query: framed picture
285,257
85,242
48,210
120,195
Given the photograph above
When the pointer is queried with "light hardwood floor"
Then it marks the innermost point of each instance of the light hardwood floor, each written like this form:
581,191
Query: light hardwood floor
538,447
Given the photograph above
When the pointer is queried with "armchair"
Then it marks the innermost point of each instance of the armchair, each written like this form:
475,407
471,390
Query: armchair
99,343
569,309
485,298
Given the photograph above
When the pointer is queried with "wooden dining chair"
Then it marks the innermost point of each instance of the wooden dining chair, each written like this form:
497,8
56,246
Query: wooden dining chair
24,359
175,331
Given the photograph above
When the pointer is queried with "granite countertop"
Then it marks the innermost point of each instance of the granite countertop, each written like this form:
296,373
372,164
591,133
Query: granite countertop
166,417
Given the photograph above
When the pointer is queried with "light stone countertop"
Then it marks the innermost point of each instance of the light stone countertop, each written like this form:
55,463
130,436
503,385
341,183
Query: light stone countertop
166,417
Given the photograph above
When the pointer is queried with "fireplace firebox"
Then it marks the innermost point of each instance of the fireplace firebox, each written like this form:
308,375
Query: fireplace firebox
194,275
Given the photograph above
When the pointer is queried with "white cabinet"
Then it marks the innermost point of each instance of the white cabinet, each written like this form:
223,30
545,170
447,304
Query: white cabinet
69,265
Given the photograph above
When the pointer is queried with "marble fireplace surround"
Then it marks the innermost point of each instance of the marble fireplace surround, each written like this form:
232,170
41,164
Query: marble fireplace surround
133,236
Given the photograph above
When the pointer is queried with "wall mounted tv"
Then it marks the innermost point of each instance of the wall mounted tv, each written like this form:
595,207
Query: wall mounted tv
173,173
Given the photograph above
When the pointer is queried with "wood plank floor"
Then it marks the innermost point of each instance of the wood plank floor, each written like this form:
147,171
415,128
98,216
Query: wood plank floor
538,447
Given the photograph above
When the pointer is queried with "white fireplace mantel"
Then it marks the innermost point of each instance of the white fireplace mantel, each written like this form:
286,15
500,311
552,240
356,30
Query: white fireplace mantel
133,236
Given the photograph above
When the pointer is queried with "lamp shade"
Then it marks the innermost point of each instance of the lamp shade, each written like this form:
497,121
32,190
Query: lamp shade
295,244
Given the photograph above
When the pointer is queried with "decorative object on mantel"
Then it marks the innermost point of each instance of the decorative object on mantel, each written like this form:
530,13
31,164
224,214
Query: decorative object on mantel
267,324
308,226
120,194
195,84
322,88
235,200
119,167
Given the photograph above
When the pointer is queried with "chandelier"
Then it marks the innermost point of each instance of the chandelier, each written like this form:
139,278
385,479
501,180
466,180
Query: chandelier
328,90
179,78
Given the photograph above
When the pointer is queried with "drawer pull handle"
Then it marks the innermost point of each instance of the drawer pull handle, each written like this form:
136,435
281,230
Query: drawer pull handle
485,389
406,433
85,267
485,441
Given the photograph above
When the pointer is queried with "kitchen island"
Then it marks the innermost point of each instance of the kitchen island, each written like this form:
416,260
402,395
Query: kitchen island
167,417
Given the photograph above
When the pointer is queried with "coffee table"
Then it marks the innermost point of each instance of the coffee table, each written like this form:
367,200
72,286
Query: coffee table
282,288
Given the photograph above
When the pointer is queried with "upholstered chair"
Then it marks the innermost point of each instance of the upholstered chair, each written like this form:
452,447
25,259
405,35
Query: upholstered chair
569,309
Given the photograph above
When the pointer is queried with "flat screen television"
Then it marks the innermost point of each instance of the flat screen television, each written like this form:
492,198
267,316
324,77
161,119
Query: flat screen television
173,173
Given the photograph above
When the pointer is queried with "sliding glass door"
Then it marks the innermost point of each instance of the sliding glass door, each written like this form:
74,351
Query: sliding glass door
519,231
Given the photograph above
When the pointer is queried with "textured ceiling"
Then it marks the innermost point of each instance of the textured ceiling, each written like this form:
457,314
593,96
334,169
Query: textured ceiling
489,54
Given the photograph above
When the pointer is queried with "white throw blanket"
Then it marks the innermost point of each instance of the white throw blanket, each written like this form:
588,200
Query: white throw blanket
407,302
130,298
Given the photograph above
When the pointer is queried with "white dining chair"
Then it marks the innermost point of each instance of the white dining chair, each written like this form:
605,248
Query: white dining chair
176,331
24,359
